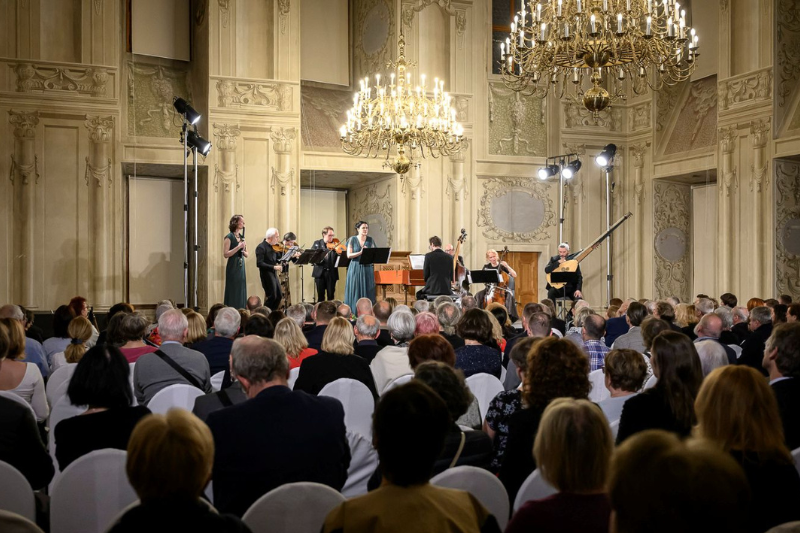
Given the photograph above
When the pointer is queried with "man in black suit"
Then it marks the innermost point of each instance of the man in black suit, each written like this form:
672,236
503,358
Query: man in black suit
217,349
268,266
782,361
753,348
325,273
437,271
367,329
710,328
323,313
277,436
740,327
571,291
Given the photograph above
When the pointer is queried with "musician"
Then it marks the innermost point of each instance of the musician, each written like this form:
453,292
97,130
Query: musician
570,291
451,251
437,271
494,263
325,273
267,256
289,241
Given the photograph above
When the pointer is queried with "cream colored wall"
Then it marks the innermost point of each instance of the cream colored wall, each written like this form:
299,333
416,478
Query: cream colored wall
704,242
325,42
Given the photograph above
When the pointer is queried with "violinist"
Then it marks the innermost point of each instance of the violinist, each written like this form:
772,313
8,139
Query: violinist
325,273
267,255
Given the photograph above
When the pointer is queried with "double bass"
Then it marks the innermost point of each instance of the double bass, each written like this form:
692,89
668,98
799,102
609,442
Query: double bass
496,292
459,270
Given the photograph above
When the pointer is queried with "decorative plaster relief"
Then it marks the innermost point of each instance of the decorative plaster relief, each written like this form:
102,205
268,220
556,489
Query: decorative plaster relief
577,116
639,116
323,111
247,94
284,8
33,77
727,142
787,227
283,181
760,130
224,12
671,230
638,152
788,49
461,27
151,89
226,136
516,210
377,210
283,139
100,131
745,90
666,100
516,122
24,123
462,108
25,131
444,4
374,25
699,116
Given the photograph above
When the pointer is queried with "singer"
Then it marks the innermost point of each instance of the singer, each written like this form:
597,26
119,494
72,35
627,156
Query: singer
235,251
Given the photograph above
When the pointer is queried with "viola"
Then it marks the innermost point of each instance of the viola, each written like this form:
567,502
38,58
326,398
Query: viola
337,246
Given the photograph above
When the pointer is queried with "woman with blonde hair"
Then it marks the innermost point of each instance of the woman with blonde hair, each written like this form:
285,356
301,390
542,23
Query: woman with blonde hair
737,410
197,328
80,331
289,335
497,332
23,379
573,449
335,360
685,315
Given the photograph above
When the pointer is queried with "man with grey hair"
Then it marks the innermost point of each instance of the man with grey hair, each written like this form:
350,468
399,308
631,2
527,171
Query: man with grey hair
572,290
760,329
34,351
712,355
539,327
267,261
702,306
152,330
278,436
345,312
710,328
727,337
740,327
468,302
366,331
392,361
364,307
172,364
217,349
448,315
574,333
297,312
422,306
673,300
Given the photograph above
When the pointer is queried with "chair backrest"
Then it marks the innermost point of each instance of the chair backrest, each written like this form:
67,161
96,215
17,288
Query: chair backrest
481,484
503,373
357,402
56,379
90,493
16,494
737,349
796,455
533,488
60,411
484,387
130,380
19,399
18,524
293,373
599,391
396,382
179,395
651,382
216,380
614,428
363,462
292,508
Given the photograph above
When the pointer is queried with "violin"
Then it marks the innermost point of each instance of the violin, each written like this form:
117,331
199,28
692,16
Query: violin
279,248
337,246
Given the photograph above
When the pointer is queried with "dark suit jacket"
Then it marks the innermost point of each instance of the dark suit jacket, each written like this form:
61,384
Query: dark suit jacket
323,368
327,264
21,446
438,272
280,436
367,350
455,341
385,338
266,259
753,348
518,461
787,392
314,336
553,264
728,337
217,350
648,410
209,403
689,331
728,350
741,331
614,328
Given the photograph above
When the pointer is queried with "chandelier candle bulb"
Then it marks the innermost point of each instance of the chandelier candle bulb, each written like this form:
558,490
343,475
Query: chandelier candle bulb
580,7
594,26
559,9
605,6
543,37
649,31
619,23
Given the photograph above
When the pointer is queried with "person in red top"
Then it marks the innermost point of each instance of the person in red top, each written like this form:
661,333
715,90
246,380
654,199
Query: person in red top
132,332
289,335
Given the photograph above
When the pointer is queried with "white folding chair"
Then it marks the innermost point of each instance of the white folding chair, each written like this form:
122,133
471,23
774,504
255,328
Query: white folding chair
19,399
599,391
18,524
484,387
60,411
363,462
130,380
396,382
481,484
56,380
533,488
16,494
796,455
357,402
736,348
292,508
614,428
651,382
95,484
216,381
179,395
503,374
293,373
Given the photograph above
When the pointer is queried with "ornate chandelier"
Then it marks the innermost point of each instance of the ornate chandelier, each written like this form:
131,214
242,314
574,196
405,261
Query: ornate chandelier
558,42
396,116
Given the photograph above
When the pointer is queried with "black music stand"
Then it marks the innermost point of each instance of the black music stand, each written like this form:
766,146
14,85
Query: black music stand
485,276
567,278
342,261
375,256
311,256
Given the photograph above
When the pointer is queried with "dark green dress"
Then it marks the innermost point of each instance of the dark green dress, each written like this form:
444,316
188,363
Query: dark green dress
235,278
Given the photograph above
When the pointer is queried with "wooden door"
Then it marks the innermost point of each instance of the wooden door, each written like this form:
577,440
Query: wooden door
526,289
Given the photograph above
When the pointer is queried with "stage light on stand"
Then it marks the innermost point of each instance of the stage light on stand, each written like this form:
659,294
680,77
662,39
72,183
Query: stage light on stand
571,169
195,141
182,107
548,171
605,158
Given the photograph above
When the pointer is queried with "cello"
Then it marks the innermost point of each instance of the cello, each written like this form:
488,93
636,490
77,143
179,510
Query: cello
459,270
497,292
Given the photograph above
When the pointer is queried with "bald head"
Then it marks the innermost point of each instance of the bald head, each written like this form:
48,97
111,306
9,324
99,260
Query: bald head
344,311
11,311
710,325
364,307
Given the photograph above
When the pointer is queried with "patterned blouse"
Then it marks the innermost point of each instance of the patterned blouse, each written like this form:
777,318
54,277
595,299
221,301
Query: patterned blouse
500,410
477,358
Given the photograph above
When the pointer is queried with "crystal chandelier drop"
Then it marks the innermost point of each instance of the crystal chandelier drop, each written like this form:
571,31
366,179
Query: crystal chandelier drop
556,43
399,117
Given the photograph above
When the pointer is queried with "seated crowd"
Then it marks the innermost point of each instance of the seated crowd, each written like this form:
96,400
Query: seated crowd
645,416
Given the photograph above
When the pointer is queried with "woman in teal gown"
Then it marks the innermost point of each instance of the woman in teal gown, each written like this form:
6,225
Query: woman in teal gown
360,278
235,250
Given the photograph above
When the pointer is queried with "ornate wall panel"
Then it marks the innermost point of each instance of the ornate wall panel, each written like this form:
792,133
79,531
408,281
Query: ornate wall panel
787,227
696,124
323,112
374,204
745,90
666,101
577,117
251,96
640,117
516,210
672,239
516,123
151,89
373,35
48,79
787,51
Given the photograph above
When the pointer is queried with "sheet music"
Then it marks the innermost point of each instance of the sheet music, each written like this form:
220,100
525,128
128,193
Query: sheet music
417,261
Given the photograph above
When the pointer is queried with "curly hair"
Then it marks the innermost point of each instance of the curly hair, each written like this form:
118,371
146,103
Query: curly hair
557,368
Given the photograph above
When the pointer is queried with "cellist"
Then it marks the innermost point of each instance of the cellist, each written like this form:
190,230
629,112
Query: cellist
494,263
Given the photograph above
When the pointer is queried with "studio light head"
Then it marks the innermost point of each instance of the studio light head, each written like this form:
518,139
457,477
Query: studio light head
606,157
571,169
182,107
195,141
548,171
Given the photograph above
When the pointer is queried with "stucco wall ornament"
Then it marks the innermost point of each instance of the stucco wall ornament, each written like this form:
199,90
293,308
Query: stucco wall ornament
516,209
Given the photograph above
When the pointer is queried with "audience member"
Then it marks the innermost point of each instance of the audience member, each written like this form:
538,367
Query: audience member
382,311
334,361
737,411
132,331
632,340
173,363
101,383
153,336
364,307
666,312
612,312
392,361
253,303
422,306
260,325
618,326
669,404
468,302
80,307
426,323
660,484
729,300
23,379
170,458
539,326
244,316
793,313
752,303
274,317
651,327
779,313
500,312
448,315
32,331
212,315
289,335
34,351
262,310
760,325
60,339
324,312
475,356
217,349
574,333
771,302
685,316
345,312
726,337
430,348
410,426
712,355
366,330
594,326
625,372
785,299
710,328
297,312
113,330
573,449
741,316
529,310
556,322
80,331
279,435
498,341
782,362
197,328
556,368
